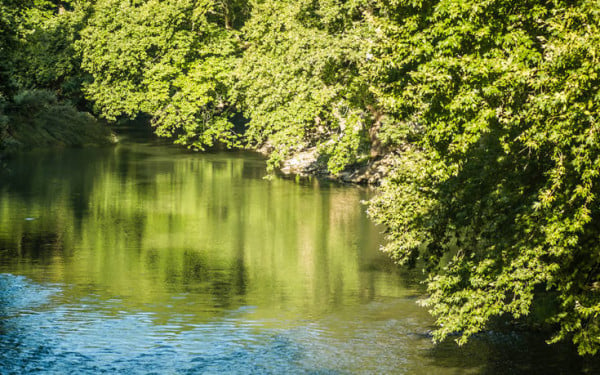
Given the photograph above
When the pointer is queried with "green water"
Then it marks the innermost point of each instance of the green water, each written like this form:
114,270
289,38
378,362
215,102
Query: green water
146,258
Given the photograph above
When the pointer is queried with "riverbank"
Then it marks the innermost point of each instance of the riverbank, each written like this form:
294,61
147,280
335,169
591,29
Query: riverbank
38,120
307,163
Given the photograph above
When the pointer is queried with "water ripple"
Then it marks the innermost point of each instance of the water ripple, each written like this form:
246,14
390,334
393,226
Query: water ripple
72,338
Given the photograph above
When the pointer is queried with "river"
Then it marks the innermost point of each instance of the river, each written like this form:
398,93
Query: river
145,258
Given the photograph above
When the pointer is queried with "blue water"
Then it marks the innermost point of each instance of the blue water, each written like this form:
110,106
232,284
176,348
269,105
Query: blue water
39,336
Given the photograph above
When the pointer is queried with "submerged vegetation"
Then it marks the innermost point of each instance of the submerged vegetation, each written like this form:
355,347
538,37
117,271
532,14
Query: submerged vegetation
489,108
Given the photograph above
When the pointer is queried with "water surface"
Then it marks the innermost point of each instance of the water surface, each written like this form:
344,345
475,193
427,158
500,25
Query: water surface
146,258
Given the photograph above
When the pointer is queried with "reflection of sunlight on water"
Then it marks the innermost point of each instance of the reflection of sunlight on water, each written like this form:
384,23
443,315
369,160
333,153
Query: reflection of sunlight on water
93,336
18,295
80,338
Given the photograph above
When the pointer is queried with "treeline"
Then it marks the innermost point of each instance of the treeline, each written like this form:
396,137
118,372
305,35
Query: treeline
490,109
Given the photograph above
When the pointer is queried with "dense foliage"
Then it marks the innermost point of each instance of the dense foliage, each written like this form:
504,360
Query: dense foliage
299,80
500,198
10,17
46,57
41,78
170,59
490,109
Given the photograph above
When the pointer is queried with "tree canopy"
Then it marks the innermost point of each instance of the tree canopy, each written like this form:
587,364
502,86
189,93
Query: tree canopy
498,192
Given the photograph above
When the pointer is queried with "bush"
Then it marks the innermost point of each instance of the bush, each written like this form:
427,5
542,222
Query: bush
27,102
